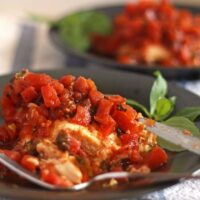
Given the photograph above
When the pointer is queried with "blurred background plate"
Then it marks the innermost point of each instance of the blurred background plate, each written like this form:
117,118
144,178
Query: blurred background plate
87,58
130,85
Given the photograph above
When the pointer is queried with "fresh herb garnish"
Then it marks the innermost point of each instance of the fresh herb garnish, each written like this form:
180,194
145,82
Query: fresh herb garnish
191,113
160,106
139,107
161,109
76,29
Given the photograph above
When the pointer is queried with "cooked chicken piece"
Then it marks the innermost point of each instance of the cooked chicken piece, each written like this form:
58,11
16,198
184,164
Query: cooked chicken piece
48,150
155,53
69,169
64,164
90,140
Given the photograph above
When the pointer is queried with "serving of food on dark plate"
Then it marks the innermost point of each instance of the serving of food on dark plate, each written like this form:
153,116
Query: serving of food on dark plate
66,131
141,36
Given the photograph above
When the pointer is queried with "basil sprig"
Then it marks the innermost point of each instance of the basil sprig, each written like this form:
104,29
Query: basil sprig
160,105
75,30
161,109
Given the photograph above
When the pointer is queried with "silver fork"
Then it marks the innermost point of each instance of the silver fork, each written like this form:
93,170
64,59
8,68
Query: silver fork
137,178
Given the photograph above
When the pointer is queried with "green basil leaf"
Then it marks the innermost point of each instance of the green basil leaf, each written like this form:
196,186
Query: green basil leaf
139,106
168,145
76,29
181,123
173,100
158,91
192,113
75,39
164,108
98,23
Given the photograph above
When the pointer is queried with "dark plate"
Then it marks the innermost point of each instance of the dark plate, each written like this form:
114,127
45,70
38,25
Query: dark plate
130,85
89,58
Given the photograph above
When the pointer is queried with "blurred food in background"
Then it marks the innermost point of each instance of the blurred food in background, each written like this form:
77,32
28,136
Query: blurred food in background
151,33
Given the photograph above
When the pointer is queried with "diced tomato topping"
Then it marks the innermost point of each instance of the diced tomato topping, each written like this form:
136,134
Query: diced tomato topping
81,85
103,111
8,109
50,176
125,118
29,94
82,116
50,97
117,99
95,96
129,139
156,158
7,134
67,80
91,85
59,87
19,85
135,157
37,80
29,162
106,129
14,155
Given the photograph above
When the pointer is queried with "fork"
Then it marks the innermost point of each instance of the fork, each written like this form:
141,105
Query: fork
137,179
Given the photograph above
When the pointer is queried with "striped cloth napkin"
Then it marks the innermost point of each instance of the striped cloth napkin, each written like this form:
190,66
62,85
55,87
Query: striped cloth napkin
25,43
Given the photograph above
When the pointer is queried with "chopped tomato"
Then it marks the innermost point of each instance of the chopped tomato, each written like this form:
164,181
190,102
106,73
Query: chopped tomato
95,96
129,139
7,134
57,86
82,116
67,80
124,115
106,129
29,162
19,85
14,155
103,111
117,99
156,158
8,109
50,176
135,157
81,85
29,94
50,97
37,80
91,85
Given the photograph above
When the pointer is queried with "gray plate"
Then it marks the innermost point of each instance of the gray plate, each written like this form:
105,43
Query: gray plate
130,85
